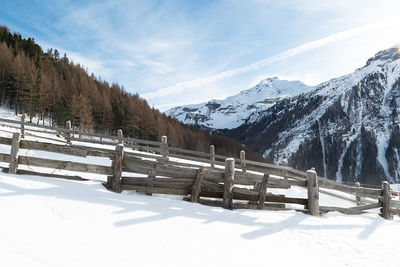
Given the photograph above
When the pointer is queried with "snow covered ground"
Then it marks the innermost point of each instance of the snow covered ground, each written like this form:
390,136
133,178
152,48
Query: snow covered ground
52,222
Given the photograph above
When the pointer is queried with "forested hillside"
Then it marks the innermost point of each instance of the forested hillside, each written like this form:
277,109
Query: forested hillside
49,85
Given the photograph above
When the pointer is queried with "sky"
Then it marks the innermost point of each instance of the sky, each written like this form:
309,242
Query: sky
178,52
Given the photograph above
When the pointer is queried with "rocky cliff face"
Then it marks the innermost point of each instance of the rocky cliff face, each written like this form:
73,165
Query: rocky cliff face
238,109
347,128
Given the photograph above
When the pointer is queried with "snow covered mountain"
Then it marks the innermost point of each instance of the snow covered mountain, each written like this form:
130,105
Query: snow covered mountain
236,110
347,128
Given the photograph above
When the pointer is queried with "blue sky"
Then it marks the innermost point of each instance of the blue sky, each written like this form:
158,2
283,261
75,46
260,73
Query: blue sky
182,52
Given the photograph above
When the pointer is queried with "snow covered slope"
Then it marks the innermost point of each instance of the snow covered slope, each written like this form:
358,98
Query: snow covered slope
347,128
235,110
50,222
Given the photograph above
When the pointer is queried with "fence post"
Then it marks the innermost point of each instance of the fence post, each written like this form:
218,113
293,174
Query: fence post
386,198
68,133
14,153
228,183
243,160
197,185
23,125
313,193
117,168
164,148
358,194
80,130
120,136
212,156
283,163
263,191
151,175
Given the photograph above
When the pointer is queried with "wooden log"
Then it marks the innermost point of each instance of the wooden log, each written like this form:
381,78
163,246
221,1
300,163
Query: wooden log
263,192
14,153
117,168
366,207
52,175
341,210
164,148
23,125
386,199
5,140
358,194
326,192
256,188
312,192
80,131
366,192
285,176
160,182
120,136
228,183
212,156
64,165
68,133
197,185
243,160
5,158
69,150
156,190
151,175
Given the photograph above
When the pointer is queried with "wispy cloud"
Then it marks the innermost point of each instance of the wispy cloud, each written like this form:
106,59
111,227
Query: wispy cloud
273,59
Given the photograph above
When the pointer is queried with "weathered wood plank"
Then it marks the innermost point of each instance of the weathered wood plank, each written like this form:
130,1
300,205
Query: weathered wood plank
341,210
5,158
386,199
14,153
212,156
64,149
64,165
228,183
366,207
5,140
23,125
52,175
263,192
312,192
243,160
197,185
151,176
68,133
323,191
368,192
156,190
358,193
117,168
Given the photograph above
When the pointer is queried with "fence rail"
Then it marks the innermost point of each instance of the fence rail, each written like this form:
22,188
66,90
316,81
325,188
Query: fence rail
207,178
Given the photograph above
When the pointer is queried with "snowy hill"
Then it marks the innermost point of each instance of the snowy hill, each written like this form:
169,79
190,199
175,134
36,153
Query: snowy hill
235,110
53,222
50,222
347,128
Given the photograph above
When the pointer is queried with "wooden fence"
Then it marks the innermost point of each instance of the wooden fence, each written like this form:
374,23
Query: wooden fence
206,178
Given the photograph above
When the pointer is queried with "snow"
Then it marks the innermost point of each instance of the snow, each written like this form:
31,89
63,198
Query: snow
236,110
50,222
53,222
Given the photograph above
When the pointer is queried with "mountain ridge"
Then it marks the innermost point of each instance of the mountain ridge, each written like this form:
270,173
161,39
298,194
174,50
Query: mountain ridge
233,111
347,127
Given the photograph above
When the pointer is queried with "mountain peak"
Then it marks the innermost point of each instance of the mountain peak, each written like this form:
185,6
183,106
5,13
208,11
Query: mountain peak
388,56
235,110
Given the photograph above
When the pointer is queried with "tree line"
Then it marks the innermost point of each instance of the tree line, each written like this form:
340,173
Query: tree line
48,85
